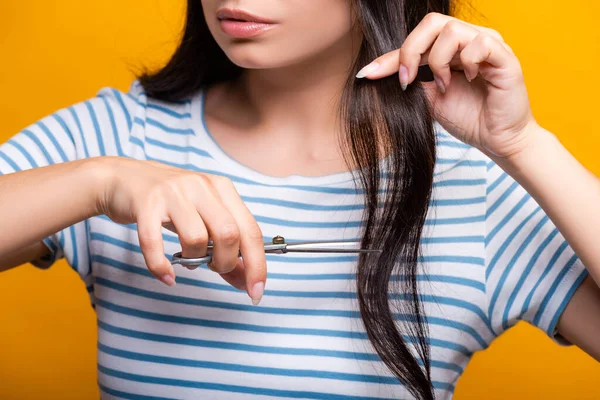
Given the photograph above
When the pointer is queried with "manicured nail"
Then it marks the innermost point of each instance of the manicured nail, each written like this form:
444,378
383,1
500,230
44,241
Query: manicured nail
368,69
469,79
256,292
440,84
403,77
167,280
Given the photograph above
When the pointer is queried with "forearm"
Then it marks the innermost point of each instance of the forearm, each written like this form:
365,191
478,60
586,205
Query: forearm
565,189
23,255
38,202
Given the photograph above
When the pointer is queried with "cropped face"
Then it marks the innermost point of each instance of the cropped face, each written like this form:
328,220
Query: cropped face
278,33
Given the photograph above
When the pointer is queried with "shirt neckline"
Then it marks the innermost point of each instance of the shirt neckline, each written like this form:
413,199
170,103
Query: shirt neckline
234,166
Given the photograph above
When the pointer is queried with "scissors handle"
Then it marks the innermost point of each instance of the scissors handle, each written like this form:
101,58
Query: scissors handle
191,262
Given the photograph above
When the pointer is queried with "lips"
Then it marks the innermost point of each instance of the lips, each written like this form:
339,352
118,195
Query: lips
239,15
240,24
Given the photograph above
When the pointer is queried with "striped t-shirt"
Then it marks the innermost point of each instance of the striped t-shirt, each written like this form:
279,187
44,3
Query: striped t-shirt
491,257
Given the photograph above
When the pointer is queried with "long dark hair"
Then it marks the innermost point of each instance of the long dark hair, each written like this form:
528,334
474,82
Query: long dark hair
380,121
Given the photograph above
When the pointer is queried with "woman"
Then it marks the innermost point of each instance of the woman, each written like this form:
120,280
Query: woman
237,139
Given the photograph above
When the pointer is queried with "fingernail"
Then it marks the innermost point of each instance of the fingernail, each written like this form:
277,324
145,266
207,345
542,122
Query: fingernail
440,84
469,79
256,292
403,77
167,280
368,69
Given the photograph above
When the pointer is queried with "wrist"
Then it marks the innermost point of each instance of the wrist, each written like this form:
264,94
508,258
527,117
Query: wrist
99,175
536,143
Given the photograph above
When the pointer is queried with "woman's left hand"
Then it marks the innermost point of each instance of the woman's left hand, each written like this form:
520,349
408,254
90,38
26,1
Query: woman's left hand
479,94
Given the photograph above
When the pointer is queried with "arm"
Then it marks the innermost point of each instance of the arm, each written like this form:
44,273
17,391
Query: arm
570,195
580,322
35,251
31,207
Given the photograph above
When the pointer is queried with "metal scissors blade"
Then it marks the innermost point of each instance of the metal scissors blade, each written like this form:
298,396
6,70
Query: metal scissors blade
279,246
327,247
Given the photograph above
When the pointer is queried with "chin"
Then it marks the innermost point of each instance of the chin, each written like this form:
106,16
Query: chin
249,62
252,62
248,55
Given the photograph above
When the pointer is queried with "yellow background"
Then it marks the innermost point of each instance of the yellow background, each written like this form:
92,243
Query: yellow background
56,53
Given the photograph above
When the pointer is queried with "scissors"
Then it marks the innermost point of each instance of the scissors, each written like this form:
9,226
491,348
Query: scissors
279,246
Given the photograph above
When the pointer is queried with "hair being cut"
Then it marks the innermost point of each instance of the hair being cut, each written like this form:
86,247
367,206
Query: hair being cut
380,121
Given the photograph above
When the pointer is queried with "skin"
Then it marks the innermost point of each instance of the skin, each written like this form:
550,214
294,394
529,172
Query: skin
283,112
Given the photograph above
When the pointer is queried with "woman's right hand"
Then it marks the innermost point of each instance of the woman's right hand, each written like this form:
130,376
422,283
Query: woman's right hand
193,205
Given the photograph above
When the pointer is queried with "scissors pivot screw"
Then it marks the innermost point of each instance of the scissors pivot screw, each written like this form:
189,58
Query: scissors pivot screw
278,240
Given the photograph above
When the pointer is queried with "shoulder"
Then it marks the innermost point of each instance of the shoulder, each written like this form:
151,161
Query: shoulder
151,113
123,105
134,103
109,108
117,119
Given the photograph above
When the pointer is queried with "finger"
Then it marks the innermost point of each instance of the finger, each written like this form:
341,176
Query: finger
409,55
159,164
151,242
251,238
432,93
420,40
455,62
237,277
169,226
485,48
453,38
190,228
220,224
418,43
510,50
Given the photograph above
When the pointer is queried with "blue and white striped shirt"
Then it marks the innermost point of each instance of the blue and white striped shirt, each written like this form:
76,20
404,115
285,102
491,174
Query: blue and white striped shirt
491,257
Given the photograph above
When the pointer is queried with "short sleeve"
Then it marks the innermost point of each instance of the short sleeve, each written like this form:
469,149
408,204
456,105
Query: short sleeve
96,127
531,270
